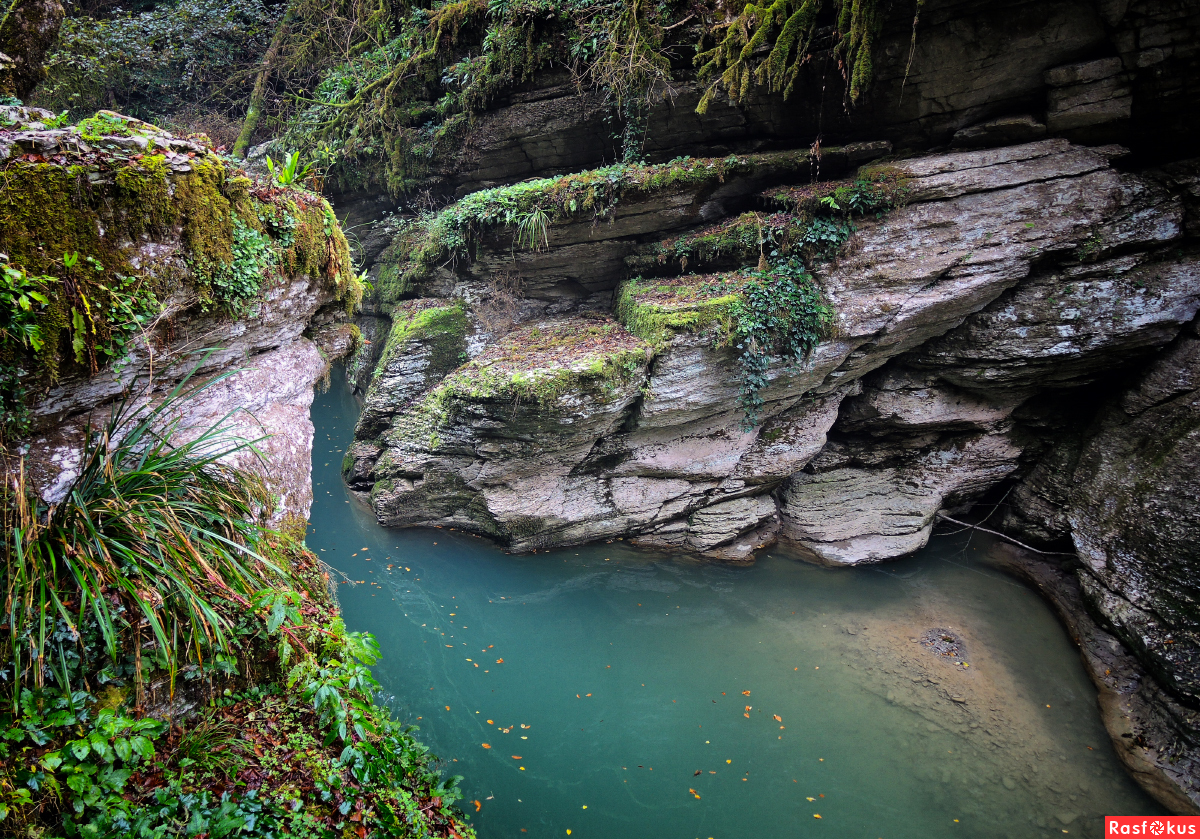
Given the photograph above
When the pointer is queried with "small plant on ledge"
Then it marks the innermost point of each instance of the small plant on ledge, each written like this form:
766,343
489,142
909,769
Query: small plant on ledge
780,312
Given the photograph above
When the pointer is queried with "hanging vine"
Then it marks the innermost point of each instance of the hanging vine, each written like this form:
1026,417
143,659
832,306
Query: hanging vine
788,27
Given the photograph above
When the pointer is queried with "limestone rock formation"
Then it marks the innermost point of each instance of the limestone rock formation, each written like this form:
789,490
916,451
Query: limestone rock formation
146,216
1003,232
1005,273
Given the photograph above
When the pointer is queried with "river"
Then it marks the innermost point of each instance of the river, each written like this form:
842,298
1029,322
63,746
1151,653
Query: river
610,692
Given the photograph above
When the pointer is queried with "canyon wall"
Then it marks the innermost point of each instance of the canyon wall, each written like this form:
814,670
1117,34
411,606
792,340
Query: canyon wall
1012,325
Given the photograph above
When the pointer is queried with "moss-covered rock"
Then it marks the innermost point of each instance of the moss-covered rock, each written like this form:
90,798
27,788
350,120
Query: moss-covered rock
427,340
28,31
513,421
657,309
527,216
114,228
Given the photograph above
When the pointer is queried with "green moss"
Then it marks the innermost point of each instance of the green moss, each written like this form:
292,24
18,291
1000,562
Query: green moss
769,43
442,329
534,367
105,124
81,224
453,233
655,310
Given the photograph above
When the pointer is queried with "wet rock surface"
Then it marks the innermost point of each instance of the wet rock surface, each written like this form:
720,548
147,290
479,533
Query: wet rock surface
1015,329
1006,274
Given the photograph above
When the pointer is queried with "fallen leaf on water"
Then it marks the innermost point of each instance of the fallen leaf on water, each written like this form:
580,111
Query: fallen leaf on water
499,661
447,707
587,694
810,798
816,815
516,757
745,693
478,806
821,794
776,716
747,716
729,761
747,707
486,746
697,772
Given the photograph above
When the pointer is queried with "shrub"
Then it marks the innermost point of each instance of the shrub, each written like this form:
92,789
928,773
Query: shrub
152,532
780,313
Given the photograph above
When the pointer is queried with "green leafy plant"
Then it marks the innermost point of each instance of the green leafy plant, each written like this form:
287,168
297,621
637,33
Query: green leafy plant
779,313
533,230
22,298
57,743
289,172
253,255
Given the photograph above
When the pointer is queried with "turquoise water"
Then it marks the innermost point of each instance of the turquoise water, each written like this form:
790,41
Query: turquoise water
604,678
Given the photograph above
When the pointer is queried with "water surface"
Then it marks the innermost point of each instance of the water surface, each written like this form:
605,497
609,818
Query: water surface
623,693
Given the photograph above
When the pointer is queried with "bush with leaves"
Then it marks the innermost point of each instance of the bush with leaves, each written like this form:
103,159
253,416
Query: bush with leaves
57,744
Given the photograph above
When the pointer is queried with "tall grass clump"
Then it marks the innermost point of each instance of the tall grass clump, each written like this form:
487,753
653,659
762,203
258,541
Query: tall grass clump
152,544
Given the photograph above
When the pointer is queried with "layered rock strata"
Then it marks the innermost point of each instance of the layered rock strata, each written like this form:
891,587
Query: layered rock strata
1004,275
1014,324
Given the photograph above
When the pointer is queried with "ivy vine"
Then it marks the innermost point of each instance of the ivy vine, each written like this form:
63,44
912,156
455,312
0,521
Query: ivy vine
780,313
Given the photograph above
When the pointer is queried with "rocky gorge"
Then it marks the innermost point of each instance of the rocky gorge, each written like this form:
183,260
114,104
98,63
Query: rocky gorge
1011,317
821,321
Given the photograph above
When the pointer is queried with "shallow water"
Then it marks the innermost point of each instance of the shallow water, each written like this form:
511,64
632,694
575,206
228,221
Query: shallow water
627,693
